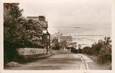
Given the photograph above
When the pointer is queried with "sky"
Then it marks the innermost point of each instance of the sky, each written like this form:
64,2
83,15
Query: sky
92,16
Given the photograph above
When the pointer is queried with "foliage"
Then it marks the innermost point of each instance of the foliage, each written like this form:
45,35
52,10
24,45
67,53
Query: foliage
12,15
87,50
55,44
18,31
102,50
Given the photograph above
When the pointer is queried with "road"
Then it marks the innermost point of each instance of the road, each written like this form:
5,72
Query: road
62,62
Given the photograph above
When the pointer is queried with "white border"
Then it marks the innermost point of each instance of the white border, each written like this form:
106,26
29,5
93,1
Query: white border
53,71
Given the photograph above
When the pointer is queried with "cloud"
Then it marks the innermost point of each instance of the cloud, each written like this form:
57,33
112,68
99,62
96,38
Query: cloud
92,16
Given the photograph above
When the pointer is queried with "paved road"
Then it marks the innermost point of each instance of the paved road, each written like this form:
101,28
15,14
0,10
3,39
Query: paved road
62,62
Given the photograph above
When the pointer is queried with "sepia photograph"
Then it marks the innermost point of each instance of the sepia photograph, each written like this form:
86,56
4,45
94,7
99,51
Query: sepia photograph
57,35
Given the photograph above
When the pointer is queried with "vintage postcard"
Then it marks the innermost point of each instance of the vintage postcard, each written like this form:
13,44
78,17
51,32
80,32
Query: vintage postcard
64,36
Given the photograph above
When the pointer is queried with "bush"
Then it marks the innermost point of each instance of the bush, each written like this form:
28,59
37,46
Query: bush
102,50
102,59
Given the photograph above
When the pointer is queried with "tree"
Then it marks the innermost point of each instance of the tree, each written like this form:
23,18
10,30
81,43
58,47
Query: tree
12,15
19,32
101,49
105,54
55,43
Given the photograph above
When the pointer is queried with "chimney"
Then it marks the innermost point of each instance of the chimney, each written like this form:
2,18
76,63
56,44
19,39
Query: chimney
42,18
